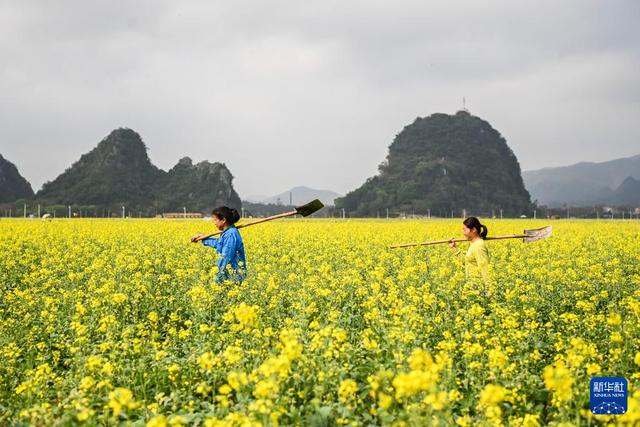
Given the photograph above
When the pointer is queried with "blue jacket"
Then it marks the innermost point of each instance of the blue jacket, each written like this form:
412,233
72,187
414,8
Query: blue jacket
231,249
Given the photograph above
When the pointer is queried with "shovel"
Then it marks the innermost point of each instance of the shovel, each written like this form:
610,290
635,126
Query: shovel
304,210
528,236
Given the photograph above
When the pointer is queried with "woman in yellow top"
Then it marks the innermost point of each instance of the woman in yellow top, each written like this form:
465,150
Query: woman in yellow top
476,260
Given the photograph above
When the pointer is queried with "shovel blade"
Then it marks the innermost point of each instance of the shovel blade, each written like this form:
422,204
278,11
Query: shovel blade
536,234
309,208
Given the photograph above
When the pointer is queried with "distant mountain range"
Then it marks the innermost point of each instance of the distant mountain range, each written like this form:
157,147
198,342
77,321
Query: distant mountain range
614,182
298,196
419,172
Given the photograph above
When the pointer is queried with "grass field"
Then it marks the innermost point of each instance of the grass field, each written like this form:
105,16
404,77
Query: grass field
118,321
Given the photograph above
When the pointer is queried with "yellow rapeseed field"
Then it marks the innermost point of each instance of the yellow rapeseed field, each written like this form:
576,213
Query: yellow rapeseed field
119,321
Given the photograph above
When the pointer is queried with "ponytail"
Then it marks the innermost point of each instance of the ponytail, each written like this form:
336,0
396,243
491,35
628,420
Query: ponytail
235,216
483,231
473,222
229,214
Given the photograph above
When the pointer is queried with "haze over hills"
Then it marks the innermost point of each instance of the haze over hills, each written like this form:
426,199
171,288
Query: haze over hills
298,195
444,163
587,183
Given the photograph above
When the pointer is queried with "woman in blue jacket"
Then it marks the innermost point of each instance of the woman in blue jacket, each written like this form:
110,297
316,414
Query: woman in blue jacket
232,264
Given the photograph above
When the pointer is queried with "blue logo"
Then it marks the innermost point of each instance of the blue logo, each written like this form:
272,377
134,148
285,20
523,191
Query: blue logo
609,395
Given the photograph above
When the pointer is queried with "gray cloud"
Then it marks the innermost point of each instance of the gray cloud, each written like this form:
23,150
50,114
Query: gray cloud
299,93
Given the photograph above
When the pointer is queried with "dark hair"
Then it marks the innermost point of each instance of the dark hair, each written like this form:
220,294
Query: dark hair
473,222
231,215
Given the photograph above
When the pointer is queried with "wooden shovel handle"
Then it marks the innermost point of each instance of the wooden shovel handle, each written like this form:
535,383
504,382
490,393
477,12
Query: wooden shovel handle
282,215
435,242
438,242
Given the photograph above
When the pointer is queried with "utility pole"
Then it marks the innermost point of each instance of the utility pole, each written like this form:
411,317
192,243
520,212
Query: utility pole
185,211
69,211
25,210
387,213
429,213
38,210
123,212
500,213
534,214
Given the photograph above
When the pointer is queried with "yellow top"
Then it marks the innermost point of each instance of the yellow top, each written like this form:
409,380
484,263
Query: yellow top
476,261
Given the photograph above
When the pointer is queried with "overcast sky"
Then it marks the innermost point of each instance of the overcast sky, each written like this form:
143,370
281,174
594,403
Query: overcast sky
290,93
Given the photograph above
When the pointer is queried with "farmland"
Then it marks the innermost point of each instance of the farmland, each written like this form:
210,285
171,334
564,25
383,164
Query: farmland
110,321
